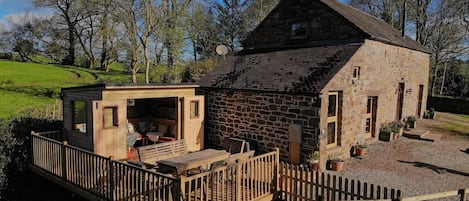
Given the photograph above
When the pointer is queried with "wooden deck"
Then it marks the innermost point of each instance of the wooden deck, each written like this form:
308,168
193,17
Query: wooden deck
99,178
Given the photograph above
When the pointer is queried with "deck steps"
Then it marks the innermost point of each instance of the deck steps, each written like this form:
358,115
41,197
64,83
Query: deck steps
420,134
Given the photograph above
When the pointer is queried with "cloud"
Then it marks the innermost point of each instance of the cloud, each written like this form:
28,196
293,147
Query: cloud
25,16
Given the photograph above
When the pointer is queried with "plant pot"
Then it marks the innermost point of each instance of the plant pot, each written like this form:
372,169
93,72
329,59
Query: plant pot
386,136
413,124
337,165
360,151
395,136
315,166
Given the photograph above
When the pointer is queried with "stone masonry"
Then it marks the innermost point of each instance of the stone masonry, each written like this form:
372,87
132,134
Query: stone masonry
261,116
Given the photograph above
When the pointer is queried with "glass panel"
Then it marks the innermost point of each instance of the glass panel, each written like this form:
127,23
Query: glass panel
110,117
368,125
368,105
194,109
331,133
298,30
79,116
332,108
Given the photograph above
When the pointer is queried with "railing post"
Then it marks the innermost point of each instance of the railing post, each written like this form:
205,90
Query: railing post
64,160
32,147
238,181
109,179
276,170
463,193
179,188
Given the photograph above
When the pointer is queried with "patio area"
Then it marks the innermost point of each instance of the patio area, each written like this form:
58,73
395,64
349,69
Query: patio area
416,167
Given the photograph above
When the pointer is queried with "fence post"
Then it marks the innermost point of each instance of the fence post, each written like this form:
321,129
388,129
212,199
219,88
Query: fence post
33,134
238,181
463,193
109,179
64,160
277,170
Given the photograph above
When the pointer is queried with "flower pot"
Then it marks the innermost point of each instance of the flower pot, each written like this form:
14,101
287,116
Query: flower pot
315,166
395,136
360,151
386,136
337,165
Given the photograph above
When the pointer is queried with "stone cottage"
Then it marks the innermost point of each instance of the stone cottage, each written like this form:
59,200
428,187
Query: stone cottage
315,75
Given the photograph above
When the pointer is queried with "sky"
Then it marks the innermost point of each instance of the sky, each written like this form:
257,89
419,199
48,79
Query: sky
12,8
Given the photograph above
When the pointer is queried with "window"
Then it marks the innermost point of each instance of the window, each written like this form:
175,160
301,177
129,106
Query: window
298,30
79,116
194,109
110,117
356,73
334,110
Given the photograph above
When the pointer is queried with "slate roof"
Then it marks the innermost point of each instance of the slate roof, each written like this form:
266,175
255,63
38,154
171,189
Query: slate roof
305,70
376,29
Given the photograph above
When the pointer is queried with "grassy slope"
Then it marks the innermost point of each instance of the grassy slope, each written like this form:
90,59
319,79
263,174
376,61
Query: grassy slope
452,123
24,85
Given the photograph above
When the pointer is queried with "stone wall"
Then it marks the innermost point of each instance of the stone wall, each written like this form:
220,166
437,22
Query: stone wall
322,25
262,117
382,68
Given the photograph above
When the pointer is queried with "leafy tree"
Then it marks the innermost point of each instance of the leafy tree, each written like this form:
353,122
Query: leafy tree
25,48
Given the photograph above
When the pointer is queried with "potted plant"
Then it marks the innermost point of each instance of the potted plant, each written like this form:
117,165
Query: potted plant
337,162
398,129
313,160
430,114
360,149
386,132
411,121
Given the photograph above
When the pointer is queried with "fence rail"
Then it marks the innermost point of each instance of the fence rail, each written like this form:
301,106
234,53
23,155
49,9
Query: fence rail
300,183
102,177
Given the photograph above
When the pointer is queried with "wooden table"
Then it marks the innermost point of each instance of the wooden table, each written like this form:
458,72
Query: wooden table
194,160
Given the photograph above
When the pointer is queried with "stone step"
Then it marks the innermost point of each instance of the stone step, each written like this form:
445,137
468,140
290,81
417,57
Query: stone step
415,133
431,137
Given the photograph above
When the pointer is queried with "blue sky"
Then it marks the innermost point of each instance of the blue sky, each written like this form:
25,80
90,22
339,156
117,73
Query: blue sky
19,7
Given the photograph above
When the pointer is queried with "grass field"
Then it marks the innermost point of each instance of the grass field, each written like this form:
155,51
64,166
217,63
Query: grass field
27,85
452,123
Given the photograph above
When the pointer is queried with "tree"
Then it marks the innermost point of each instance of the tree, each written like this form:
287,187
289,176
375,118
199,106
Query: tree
390,11
231,22
25,48
71,15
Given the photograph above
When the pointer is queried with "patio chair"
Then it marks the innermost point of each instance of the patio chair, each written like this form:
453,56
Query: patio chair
236,145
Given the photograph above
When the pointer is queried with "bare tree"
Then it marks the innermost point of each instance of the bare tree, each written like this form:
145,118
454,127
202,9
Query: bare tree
67,9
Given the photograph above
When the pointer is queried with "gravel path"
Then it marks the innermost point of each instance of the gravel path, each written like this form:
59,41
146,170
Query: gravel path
415,167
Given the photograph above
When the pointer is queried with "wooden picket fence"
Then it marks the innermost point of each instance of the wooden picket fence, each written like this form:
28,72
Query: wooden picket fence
301,184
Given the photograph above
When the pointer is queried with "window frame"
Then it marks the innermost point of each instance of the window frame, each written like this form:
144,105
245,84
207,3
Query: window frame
301,24
194,109
115,117
84,121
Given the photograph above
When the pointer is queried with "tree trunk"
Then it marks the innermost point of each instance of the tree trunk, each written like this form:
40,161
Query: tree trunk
70,57
104,54
444,77
146,54
434,76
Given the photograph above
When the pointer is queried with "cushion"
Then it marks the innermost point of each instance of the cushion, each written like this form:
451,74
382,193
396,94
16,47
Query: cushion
172,130
162,128
130,128
143,126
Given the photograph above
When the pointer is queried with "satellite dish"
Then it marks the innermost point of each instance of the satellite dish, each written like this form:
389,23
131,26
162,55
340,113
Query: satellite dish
222,50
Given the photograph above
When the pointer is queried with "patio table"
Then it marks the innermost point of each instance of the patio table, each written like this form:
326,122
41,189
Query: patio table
181,164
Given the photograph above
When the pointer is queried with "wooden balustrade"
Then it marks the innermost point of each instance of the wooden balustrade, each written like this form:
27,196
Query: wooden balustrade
248,180
99,177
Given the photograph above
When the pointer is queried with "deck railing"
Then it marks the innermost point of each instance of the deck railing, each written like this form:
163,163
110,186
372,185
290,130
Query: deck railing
300,183
248,180
101,177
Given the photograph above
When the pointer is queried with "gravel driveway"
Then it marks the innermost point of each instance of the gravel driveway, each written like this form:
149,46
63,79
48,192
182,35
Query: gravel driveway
415,167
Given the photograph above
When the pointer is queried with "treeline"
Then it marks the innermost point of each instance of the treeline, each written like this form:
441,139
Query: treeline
175,40
141,34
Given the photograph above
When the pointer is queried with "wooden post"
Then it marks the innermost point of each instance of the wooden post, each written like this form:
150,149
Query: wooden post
32,147
238,181
109,178
276,170
179,188
463,194
64,160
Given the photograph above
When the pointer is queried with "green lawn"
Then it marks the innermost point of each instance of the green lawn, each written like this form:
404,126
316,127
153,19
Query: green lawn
14,103
27,85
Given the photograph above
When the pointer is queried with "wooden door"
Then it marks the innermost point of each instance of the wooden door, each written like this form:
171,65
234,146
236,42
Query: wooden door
332,119
419,103
400,101
110,128
193,122
370,116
